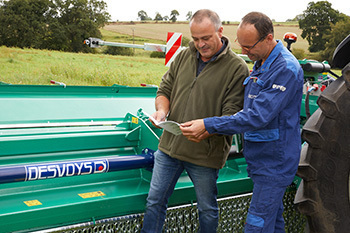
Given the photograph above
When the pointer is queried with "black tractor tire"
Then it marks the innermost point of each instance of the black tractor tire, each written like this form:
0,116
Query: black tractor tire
323,194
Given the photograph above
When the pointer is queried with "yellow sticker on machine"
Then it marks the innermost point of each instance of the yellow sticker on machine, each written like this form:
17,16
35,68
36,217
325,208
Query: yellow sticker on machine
135,120
92,194
32,203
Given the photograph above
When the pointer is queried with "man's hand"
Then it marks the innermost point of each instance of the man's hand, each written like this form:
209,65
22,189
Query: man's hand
158,116
194,130
162,108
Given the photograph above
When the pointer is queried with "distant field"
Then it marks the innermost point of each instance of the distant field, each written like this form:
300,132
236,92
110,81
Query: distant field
38,67
158,31
30,66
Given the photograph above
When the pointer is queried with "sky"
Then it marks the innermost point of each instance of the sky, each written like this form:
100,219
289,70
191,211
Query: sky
277,10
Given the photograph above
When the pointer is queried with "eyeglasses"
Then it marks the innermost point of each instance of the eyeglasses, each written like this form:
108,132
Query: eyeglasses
251,47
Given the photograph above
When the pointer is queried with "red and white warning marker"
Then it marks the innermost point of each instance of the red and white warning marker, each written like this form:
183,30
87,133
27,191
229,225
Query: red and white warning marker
173,47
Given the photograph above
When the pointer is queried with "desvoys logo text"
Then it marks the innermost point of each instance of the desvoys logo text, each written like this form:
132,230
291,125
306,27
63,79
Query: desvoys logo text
63,169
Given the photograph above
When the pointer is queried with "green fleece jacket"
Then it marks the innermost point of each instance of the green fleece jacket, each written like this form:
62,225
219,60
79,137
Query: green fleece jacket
216,91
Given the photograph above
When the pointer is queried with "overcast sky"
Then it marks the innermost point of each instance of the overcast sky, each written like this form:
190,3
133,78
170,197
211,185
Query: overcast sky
279,10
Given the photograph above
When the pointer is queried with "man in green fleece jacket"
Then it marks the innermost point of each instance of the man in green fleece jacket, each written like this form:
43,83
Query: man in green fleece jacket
204,80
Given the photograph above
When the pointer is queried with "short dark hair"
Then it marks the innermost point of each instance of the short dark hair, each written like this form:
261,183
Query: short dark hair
205,13
261,22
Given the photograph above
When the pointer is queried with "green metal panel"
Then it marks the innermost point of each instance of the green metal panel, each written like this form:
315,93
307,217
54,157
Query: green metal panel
61,203
125,193
51,124
312,105
33,104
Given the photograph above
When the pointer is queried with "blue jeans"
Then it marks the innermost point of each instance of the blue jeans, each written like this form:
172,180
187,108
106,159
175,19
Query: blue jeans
166,172
265,210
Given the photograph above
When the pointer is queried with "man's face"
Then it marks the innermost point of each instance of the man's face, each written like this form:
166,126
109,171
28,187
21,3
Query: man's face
206,39
250,42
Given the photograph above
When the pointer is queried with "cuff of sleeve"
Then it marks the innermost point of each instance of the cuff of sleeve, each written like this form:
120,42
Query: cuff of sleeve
209,126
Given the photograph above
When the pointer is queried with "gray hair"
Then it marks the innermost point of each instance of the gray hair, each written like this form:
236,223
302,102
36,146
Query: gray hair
205,13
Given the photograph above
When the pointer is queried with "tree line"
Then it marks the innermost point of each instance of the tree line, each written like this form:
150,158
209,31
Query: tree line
143,16
51,24
64,24
324,28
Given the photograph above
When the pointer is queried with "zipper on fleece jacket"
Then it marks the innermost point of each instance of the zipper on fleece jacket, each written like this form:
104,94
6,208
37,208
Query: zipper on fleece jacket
188,98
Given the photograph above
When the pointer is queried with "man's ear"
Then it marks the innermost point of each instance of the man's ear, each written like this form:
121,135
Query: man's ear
221,29
269,37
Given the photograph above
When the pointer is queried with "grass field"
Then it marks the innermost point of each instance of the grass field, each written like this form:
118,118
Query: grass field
38,67
158,31
29,66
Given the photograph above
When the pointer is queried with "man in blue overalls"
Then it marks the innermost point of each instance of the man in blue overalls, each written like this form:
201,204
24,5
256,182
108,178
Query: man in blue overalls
269,121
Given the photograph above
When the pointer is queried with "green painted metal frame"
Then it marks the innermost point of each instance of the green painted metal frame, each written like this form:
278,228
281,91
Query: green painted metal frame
124,192
313,78
96,122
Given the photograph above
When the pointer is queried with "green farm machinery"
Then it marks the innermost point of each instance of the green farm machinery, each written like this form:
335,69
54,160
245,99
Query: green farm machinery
79,159
75,155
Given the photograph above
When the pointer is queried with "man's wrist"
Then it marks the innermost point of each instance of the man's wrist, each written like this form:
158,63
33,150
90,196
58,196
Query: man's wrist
208,125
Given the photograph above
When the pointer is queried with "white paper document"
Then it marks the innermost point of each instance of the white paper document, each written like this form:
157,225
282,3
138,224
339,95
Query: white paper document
170,126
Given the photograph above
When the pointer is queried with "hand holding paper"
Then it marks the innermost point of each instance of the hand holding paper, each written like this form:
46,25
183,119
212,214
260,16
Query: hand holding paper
194,130
170,126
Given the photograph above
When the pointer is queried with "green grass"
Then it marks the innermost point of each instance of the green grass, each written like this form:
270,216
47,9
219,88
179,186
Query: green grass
38,67
29,66
124,38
